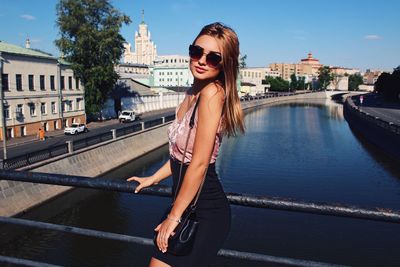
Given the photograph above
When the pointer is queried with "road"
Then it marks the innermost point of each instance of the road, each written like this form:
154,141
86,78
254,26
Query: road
376,107
25,145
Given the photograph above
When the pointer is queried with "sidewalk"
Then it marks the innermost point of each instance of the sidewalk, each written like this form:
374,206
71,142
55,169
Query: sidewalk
12,142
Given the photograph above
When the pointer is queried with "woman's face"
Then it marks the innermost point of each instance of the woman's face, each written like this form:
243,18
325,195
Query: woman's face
200,69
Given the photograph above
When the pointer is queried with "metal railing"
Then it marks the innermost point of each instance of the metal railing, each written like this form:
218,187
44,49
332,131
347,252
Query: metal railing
376,214
48,153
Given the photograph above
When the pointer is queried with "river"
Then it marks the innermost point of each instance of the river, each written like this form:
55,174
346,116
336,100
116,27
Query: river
299,150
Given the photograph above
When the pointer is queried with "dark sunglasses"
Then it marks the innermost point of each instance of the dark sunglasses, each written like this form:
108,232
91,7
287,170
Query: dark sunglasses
212,58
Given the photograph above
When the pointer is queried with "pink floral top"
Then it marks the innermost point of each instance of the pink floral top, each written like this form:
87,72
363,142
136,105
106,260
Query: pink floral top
178,132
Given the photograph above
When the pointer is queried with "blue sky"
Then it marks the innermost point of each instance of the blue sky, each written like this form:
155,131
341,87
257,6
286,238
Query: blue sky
350,33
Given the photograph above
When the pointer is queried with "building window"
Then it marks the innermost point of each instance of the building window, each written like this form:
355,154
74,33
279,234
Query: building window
67,105
52,83
70,83
32,109
42,82
4,81
6,112
62,83
78,103
43,108
77,83
19,111
53,108
18,81
30,82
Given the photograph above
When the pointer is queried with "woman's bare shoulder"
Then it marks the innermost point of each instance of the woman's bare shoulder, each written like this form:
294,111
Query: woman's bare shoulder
212,90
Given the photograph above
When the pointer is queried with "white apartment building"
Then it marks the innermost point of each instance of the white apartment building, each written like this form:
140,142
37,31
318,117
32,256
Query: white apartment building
171,71
256,76
40,91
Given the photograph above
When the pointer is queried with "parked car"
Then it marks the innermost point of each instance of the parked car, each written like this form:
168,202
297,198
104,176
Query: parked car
76,128
127,115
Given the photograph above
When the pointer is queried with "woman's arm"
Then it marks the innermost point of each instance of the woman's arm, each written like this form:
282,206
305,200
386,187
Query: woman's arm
158,176
209,115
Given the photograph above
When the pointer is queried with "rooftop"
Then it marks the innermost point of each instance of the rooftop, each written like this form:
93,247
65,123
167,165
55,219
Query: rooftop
18,50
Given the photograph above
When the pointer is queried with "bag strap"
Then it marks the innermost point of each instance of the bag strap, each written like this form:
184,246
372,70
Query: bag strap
191,125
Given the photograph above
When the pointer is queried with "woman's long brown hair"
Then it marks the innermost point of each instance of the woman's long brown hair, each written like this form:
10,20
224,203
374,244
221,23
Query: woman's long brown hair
229,42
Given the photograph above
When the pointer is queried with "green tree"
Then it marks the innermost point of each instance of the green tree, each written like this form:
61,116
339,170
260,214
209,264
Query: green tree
354,81
90,40
301,83
242,62
325,77
293,82
276,84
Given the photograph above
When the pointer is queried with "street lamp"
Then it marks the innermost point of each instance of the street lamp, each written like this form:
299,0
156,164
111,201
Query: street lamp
3,119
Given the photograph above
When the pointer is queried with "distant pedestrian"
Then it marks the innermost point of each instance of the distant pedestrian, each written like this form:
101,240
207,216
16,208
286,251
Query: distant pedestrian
41,134
361,99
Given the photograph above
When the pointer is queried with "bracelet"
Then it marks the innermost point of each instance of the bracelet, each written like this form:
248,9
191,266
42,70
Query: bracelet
178,220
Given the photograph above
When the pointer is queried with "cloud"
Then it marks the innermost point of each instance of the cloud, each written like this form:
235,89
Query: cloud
28,17
372,37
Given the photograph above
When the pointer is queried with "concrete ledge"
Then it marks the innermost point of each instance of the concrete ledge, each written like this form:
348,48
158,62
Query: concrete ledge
384,135
92,161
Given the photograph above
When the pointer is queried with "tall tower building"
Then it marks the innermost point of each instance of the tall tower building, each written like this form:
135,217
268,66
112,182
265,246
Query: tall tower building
145,49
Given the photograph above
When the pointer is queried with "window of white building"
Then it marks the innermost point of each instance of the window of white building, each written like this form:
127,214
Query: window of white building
32,109
53,107
6,111
43,108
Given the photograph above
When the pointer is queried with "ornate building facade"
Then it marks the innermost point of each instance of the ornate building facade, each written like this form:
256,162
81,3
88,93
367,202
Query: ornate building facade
145,49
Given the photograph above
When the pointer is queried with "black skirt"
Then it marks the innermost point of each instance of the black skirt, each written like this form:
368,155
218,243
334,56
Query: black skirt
214,215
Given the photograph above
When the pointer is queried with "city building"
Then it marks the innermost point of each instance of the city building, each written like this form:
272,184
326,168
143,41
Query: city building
171,71
308,68
371,76
139,72
145,49
40,91
252,80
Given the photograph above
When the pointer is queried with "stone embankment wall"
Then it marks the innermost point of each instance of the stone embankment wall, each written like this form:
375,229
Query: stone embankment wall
16,197
383,134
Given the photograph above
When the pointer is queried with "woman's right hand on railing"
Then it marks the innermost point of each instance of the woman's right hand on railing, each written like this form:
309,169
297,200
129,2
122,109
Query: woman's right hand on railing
143,182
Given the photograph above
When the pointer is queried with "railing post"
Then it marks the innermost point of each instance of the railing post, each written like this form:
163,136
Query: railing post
70,147
163,120
142,123
114,134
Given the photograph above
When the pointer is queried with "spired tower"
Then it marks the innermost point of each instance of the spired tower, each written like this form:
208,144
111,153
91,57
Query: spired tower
145,49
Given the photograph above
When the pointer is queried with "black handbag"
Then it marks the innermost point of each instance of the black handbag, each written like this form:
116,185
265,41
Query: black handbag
181,243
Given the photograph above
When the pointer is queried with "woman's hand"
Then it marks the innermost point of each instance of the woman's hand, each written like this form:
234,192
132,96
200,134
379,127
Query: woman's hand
143,182
165,230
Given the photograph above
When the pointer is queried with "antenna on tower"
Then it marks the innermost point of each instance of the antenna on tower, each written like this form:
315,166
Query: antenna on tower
142,15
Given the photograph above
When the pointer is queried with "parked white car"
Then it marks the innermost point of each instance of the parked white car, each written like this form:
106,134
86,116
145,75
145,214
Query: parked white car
127,115
76,128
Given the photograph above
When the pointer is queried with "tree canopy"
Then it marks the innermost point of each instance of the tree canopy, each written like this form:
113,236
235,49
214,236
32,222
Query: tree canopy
276,83
242,62
297,83
90,40
354,81
388,85
325,77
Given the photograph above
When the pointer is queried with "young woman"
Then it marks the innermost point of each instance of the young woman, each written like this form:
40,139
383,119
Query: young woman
214,64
